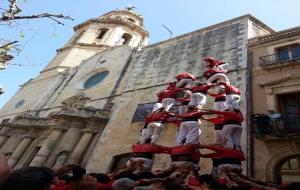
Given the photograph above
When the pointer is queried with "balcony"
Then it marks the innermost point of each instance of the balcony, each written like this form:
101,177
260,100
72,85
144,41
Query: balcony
281,58
264,128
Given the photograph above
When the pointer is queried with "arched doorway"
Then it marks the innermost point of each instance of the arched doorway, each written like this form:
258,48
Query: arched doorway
290,170
284,168
119,161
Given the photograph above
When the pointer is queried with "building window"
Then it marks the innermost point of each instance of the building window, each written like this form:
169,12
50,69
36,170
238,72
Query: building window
288,52
290,170
295,52
289,107
126,38
95,79
102,33
19,103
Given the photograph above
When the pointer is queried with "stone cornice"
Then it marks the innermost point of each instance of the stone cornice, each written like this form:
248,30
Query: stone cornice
125,12
121,22
81,45
211,28
284,34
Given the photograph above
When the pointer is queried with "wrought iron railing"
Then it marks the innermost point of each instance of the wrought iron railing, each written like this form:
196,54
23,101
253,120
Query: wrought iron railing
265,127
282,57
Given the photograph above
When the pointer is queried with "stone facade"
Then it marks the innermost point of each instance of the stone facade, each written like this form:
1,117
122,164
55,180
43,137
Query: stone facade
275,67
70,123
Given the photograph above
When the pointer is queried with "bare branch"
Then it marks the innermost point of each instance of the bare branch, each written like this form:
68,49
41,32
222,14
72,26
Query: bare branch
8,44
44,15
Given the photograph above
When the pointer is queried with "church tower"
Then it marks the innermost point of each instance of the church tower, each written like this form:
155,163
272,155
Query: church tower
115,28
120,27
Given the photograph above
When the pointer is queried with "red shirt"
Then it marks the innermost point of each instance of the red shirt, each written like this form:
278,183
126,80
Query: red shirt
212,71
218,96
149,148
61,186
185,75
157,116
229,89
203,89
191,114
221,152
193,181
217,120
105,186
212,61
183,149
230,116
170,92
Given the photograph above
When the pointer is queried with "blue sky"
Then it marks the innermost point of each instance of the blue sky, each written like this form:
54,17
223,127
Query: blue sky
43,36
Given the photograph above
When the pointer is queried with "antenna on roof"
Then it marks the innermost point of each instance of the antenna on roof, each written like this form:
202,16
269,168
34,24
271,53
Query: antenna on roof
170,31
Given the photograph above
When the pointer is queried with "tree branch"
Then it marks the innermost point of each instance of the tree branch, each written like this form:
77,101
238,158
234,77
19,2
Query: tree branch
8,44
44,15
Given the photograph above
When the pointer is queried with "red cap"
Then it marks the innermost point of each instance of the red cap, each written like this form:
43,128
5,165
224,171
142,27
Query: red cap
212,62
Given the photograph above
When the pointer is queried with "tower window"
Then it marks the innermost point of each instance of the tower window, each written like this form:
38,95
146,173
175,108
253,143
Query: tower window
102,33
130,19
95,79
126,38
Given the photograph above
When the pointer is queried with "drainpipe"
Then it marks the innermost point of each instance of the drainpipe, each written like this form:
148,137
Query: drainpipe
249,112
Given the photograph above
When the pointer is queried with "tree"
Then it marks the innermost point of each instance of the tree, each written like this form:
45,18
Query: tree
12,13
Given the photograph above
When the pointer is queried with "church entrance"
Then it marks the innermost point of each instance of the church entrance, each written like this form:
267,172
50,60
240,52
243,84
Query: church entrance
290,170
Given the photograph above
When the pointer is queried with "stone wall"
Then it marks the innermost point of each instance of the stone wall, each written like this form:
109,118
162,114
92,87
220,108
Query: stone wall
150,70
134,78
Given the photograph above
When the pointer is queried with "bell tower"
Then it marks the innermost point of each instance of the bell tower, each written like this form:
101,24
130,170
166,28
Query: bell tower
115,28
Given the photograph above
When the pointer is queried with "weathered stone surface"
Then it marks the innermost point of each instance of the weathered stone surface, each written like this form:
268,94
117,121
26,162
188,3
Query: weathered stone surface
135,76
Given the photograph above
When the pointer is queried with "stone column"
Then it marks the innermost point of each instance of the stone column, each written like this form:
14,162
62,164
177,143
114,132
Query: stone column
47,146
67,144
10,144
3,138
81,146
19,150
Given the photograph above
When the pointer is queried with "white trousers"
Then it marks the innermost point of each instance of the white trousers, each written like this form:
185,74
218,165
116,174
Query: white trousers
153,131
220,106
167,103
156,106
232,133
143,136
218,136
198,99
221,77
184,82
190,131
233,101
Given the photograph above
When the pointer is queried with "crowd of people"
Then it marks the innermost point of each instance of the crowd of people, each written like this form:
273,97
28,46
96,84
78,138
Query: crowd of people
190,96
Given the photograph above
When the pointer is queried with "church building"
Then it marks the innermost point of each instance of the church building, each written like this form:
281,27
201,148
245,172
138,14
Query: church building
87,105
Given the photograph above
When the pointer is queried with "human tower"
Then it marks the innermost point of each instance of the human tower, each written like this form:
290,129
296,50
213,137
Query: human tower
225,115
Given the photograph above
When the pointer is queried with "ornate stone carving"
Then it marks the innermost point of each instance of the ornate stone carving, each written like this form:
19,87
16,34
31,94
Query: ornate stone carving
74,103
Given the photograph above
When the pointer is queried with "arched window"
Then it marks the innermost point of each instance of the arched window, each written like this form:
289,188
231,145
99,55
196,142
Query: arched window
126,38
95,79
131,20
102,33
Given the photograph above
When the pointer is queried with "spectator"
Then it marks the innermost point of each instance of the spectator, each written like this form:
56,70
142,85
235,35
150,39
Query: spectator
31,178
